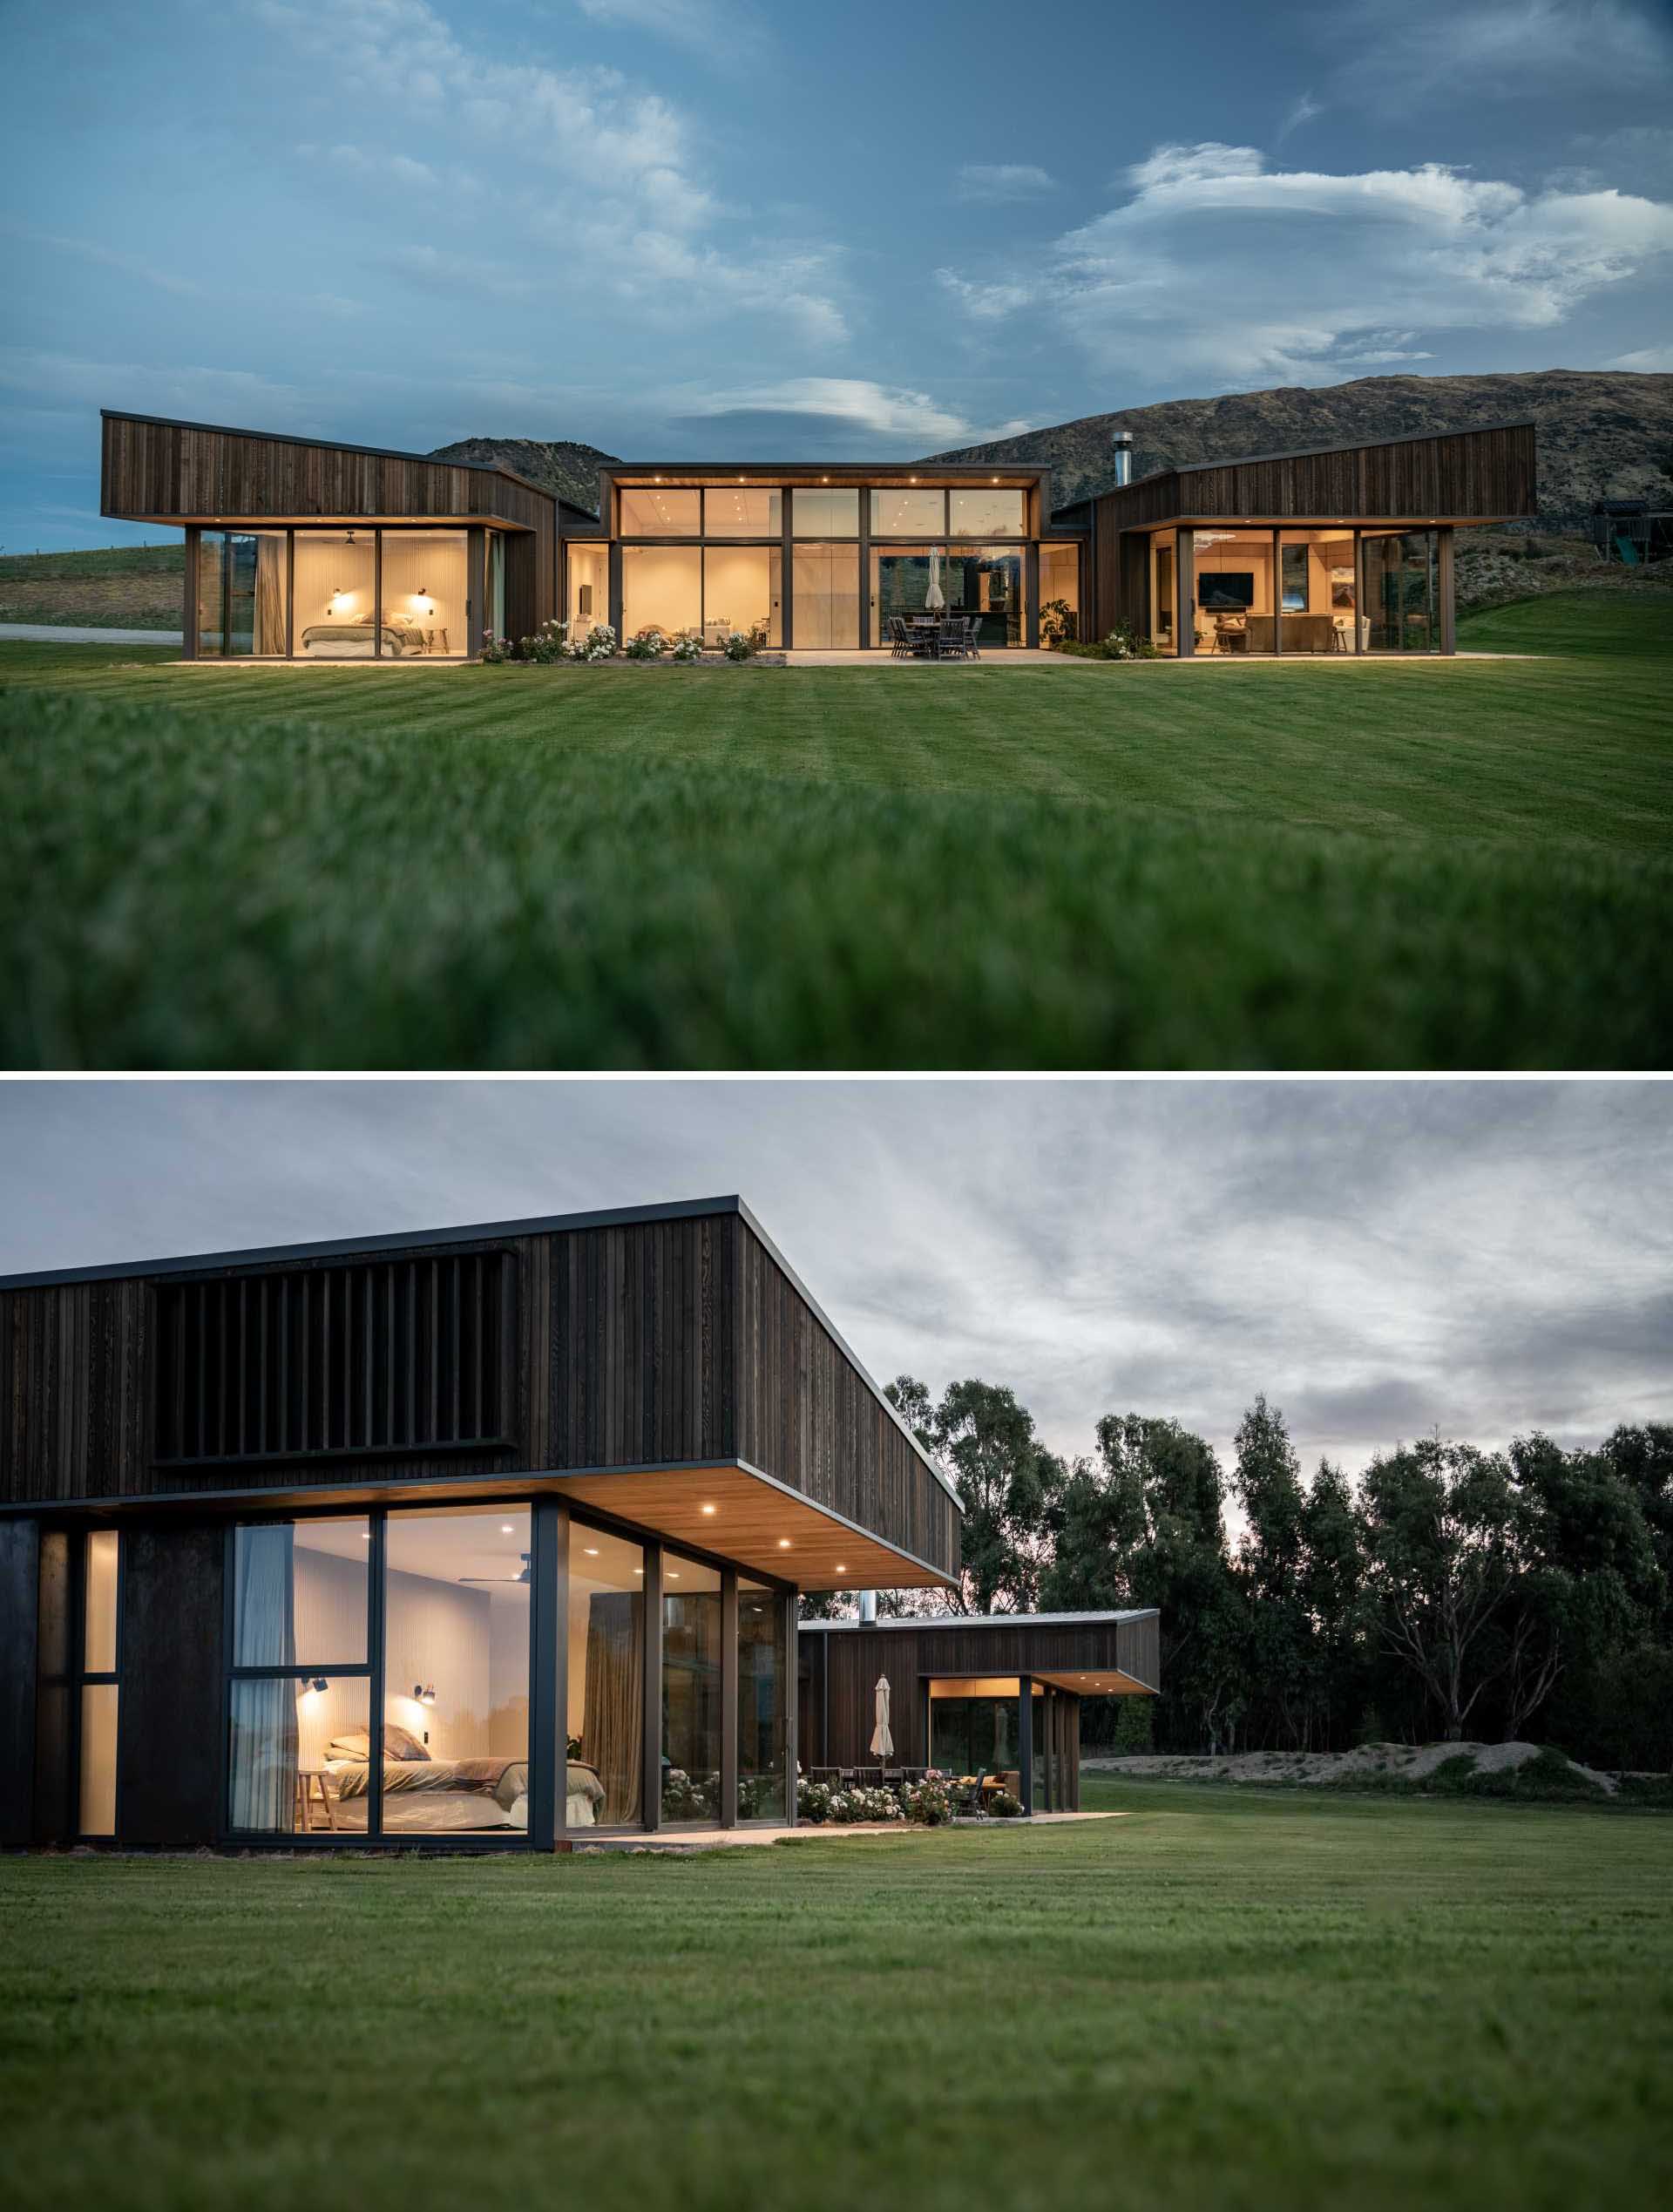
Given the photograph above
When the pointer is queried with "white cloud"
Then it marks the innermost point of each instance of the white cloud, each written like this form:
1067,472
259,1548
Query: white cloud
1302,110
1005,180
1218,268
885,412
1652,360
591,167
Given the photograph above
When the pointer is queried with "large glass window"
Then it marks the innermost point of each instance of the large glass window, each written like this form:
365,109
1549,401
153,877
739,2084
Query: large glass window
989,512
691,1693
455,1671
817,513
425,588
589,588
902,512
100,1693
241,581
661,588
298,1701
1402,592
336,591
1234,601
969,1735
1163,629
985,581
1060,593
1319,609
742,511
742,593
605,1781
763,1676
827,595
658,510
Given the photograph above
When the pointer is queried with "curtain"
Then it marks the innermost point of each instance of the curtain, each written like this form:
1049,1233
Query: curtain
269,595
613,1718
264,1713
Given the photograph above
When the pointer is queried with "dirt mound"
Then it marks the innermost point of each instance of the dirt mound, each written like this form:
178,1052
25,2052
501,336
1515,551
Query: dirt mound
1383,1761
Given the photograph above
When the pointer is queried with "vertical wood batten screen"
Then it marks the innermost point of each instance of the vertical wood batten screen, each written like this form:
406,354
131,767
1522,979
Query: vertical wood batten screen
377,1355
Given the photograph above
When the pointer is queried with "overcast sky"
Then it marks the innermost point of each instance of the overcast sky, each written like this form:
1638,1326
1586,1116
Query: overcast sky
736,228
1380,1259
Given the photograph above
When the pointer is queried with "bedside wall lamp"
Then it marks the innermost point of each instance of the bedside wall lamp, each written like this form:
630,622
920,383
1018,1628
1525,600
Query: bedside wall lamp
310,1683
425,1692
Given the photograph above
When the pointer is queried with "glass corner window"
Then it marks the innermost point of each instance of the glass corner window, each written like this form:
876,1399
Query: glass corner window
991,511
659,510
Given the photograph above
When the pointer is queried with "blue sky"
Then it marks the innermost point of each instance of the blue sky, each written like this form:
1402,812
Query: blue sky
725,228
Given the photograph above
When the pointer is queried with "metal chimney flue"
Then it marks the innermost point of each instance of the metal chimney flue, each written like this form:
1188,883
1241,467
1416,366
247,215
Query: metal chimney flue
868,1605
1122,453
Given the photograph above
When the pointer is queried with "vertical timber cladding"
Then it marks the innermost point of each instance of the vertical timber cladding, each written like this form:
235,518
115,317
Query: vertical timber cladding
809,1417
74,1417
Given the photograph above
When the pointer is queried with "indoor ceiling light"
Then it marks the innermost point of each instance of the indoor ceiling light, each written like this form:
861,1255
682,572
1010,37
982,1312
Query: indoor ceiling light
506,1529
590,1550
708,1508
840,1569
783,1543
673,1574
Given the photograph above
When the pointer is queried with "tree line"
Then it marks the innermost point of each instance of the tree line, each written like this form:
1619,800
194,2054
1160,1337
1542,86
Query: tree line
1450,1592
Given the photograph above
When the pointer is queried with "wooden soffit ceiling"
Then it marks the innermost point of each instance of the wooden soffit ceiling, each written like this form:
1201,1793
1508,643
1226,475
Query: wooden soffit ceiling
759,1524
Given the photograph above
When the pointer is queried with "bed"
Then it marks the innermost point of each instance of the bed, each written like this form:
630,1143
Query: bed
353,641
430,1796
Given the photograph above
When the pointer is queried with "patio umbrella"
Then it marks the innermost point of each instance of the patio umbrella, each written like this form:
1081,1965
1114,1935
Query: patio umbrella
935,597
883,1744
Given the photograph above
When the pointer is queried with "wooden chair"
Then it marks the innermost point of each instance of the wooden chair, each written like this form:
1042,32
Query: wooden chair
900,641
969,1798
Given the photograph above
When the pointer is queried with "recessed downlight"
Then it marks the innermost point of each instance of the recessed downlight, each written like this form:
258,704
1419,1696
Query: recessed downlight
783,1543
590,1550
711,1509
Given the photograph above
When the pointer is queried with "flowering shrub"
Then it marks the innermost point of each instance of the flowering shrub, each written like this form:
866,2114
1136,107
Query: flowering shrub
598,644
495,650
819,1802
688,647
740,644
648,644
550,643
685,1799
928,1802
1125,642
1003,1806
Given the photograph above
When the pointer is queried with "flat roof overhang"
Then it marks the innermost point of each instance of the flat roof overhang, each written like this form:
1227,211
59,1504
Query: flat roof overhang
768,476
1109,1682
255,522
1237,522
757,1523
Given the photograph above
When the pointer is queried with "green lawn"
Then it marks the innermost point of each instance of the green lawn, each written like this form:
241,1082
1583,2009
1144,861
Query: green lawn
1221,1999
1077,864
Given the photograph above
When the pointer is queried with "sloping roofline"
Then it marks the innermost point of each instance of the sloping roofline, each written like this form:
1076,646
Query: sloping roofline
327,446
1307,453
473,1232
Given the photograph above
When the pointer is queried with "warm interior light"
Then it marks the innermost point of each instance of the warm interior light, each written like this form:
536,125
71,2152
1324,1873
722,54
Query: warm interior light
365,1536
673,1574
783,1543
424,1692
590,1550
506,1529
840,1569
709,1509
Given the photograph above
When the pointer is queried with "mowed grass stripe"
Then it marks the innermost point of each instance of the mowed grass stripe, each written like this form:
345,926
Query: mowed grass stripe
1221,1999
527,868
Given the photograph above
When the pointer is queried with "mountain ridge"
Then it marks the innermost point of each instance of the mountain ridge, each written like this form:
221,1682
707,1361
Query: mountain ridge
1600,433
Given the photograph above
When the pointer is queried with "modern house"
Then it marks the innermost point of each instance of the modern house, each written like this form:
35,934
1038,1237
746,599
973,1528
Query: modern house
535,1498
297,549
998,1693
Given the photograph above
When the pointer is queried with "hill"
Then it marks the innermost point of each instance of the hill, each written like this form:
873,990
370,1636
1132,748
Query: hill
130,587
1600,431
556,464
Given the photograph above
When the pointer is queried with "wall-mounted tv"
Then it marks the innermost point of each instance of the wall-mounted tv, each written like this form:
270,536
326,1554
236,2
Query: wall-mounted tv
1226,591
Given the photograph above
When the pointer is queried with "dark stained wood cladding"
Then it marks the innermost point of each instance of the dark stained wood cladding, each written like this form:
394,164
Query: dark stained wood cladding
650,1342
853,1658
77,1381
530,577
73,1413
380,1355
1459,475
168,1739
20,1563
160,471
643,1337
806,1416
